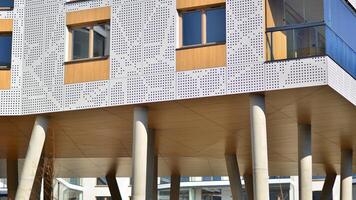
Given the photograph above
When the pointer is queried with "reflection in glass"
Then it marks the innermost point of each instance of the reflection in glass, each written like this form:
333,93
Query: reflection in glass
101,40
215,25
5,50
192,28
295,43
7,3
80,43
290,12
211,194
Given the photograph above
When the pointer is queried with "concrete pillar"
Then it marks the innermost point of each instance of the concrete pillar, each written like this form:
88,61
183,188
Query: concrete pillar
259,147
175,187
346,175
113,186
249,186
234,177
32,158
327,192
305,162
139,153
151,181
12,177
37,183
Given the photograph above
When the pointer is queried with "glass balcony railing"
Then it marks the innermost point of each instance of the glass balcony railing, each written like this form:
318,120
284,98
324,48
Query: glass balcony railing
298,41
309,40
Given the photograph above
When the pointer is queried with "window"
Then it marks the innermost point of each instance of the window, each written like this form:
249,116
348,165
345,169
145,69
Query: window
6,4
101,181
203,26
103,198
211,178
291,12
295,43
90,41
192,28
215,25
211,194
5,50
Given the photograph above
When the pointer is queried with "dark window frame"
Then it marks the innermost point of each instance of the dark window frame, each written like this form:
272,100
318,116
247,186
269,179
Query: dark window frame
203,27
7,66
91,41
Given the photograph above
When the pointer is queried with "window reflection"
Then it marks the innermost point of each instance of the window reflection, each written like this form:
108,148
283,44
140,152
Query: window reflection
289,12
215,25
80,43
192,28
101,40
7,3
5,50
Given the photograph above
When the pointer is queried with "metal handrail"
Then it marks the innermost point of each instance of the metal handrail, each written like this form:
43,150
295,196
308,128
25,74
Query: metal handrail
295,26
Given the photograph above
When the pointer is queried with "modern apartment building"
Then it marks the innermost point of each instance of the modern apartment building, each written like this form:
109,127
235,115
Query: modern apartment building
148,88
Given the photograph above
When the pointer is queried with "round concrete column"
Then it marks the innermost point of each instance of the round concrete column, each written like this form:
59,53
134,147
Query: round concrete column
259,147
346,175
305,162
32,158
139,153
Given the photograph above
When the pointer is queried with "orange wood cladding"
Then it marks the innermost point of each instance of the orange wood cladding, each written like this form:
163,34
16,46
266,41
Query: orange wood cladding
6,25
189,4
85,71
201,57
5,79
89,16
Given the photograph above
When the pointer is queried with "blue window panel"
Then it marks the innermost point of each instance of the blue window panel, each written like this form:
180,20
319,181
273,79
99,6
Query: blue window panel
191,28
216,25
5,50
340,52
6,3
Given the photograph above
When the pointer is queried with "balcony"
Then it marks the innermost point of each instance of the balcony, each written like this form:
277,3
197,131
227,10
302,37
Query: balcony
301,28
298,41
309,40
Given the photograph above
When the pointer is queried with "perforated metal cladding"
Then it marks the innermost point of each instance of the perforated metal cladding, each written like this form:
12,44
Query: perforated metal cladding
43,57
10,102
11,99
296,73
200,83
244,32
246,78
245,50
86,95
142,59
341,81
81,5
142,56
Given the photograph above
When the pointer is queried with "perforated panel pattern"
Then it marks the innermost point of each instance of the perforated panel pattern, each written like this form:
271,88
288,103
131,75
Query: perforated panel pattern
142,59
200,83
81,5
244,32
86,95
296,73
341,81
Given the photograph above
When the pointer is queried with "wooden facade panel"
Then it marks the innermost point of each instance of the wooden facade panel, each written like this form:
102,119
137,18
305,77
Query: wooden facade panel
5,79
6,25
189,4
201,57
93,70
89,16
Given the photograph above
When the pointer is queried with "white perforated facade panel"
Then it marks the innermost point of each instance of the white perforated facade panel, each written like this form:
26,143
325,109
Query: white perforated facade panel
341,81
143,59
